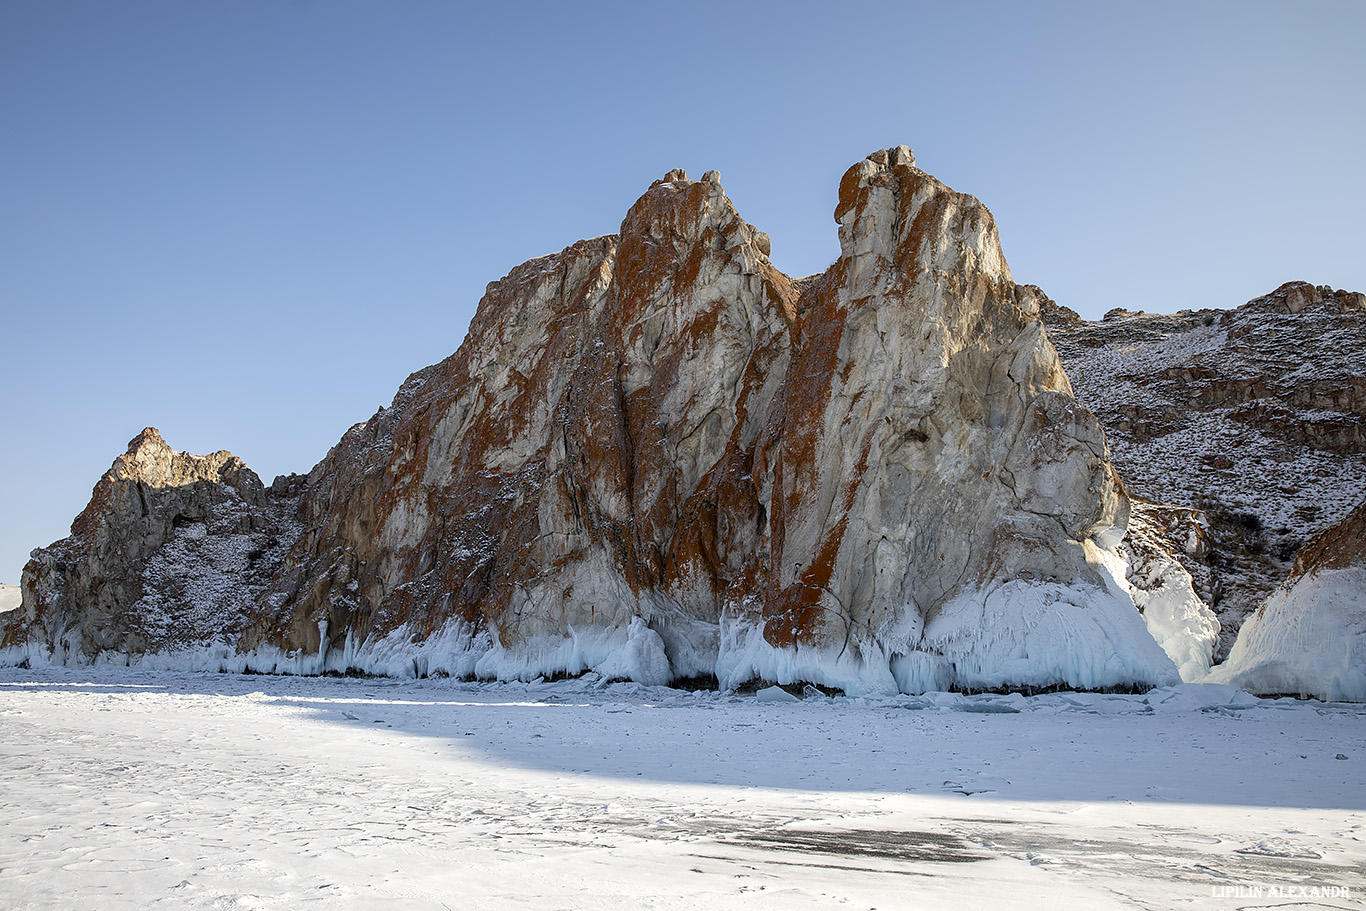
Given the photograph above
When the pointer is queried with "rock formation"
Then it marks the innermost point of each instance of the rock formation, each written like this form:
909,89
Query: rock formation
655,456
1309,638
172,550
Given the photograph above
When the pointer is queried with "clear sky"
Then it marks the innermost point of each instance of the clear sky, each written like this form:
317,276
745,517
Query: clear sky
246,222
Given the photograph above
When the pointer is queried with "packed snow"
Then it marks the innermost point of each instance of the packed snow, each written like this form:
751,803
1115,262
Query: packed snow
1178,620
1043,633
129,789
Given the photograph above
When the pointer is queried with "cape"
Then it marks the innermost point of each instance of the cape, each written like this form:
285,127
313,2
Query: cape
656,457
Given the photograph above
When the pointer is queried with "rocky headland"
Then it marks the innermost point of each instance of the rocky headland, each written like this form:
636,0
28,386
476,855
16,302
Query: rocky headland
656,457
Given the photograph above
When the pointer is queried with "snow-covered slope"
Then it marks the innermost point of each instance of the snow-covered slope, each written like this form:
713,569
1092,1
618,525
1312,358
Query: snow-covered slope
1252,421
1309,639
10,598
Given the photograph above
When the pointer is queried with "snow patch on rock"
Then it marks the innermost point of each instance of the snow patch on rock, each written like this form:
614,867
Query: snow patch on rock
1181,623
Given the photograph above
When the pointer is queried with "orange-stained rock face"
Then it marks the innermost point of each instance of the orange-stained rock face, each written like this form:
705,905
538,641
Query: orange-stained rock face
657,445
1340,546
588,449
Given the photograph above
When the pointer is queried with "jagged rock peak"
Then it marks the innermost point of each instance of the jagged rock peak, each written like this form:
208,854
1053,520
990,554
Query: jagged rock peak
150,460
1293,297
871,171
687,213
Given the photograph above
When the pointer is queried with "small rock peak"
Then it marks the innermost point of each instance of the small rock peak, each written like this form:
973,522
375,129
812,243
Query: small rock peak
678,210
891,158
150,437
677,175
1034,303
1295,296
763,242
860,174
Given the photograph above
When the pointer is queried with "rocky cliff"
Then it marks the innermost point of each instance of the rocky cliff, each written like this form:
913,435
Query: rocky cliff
1250,424
655,456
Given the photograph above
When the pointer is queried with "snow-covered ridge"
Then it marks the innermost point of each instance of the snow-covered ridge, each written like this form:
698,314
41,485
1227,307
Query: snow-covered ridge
10,598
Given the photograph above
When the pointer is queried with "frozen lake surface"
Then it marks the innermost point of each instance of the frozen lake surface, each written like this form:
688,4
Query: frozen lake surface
139,790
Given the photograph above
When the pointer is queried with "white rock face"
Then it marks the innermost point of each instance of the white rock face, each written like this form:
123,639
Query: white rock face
933,457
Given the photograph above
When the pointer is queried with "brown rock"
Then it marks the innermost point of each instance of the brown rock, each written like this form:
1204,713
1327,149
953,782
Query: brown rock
1254,416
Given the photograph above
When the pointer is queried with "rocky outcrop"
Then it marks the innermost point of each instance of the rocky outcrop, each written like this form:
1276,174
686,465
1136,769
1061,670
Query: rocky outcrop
657,443
173,549
1309,638
1251,419
656,456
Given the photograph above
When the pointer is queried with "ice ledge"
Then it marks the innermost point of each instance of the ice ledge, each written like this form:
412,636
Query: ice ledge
1021,635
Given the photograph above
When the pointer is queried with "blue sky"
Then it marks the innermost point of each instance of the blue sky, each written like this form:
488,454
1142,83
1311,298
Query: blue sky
245,223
